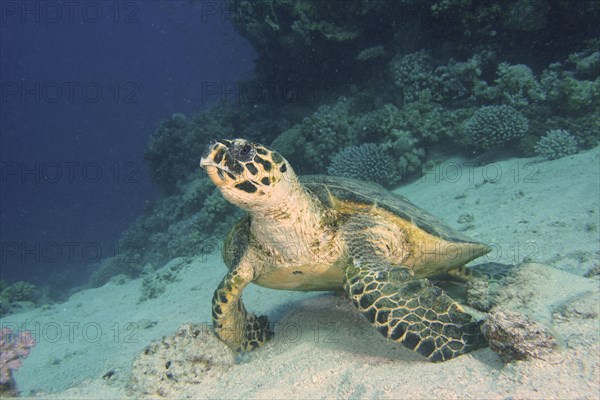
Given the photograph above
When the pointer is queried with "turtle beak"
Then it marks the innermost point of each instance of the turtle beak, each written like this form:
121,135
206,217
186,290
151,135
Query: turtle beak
205,160
213,154
212,162
220,164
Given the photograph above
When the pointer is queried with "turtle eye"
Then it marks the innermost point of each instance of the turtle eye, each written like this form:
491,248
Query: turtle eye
245,152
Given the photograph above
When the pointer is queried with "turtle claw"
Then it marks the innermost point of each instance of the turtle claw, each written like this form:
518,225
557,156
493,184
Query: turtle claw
256,333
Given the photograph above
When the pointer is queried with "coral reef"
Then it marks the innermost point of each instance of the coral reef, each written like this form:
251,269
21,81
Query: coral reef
499,26
291,37
420,78
163,154
573,87
516,337
123,263
314,143
379,80
376,124
367,162
294,35
517,86
423,79
13,348
408,158
495,126
19,291
413,74
587,61
190,222
430,123
576,96
460,82
311,145
16,295
326,132
174,149
152,287
155,283
168,366
371,53
556,144
286,143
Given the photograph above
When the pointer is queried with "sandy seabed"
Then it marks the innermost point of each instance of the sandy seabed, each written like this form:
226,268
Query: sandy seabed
545,212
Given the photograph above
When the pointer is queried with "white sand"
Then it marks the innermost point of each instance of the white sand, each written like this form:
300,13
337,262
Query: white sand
549,213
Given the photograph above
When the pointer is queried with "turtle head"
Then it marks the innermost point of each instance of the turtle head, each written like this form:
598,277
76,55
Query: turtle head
248,174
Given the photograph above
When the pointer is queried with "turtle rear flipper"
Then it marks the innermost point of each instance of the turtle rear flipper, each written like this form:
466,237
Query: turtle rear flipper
412,312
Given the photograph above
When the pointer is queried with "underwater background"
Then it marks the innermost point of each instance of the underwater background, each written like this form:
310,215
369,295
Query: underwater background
485,113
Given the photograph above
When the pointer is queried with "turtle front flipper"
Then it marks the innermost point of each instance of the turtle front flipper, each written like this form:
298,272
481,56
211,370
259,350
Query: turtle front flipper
410,311
239,329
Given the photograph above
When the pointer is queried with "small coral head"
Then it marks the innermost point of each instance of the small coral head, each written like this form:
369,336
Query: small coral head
248,174
13,348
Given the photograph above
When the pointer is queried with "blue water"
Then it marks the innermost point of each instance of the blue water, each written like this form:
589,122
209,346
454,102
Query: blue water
83,88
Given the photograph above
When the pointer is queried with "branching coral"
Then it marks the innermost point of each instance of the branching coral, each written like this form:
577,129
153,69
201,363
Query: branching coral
495,126
413,75
408,157
367,162
376,124
557,143
310,145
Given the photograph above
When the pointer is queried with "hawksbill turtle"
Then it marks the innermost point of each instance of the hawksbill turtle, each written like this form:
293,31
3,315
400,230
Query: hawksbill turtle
327,233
